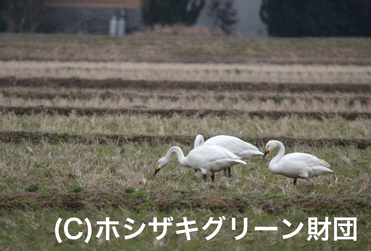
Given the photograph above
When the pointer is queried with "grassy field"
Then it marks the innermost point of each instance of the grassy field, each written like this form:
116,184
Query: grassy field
105,168
96,164
97,181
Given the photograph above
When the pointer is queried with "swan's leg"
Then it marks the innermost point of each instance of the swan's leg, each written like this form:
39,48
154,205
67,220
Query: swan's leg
229,172
212,177
294,183
204,174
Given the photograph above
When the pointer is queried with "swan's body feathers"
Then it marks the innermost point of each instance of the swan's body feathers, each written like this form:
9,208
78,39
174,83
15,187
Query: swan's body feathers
206,158
242,149
296,165
212,158
234,145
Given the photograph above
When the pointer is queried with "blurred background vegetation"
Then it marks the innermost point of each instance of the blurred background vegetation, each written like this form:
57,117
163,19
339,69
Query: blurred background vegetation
317,18
284,18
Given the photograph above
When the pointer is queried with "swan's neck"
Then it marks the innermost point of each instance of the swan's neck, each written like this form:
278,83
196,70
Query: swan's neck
179,153
199,141
280,153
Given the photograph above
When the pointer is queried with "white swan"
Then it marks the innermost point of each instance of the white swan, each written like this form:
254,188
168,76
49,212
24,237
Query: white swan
295,165
235,145
205,158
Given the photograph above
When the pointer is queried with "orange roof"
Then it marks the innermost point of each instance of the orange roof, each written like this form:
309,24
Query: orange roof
96,4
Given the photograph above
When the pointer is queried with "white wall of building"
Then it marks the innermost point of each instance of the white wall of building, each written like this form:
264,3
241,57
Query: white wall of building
248,15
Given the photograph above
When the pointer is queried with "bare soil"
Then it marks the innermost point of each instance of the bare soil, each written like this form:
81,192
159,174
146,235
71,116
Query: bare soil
177,200
144,85
46,93
168,113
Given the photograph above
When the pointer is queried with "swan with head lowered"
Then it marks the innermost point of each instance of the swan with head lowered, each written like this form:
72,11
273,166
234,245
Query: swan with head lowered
295,165
235,145
205,158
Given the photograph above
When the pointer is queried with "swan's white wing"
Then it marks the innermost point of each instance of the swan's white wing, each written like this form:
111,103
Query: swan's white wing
235,145
249,154
209,152
309,159
301,165
319,170
213,158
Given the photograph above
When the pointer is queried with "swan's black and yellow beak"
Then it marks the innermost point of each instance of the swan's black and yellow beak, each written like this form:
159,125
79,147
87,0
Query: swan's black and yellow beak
157,170
266,152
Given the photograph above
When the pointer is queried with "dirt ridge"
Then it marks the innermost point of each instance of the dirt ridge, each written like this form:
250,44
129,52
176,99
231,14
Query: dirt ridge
168,113
151,85
175,200
39,93
55,138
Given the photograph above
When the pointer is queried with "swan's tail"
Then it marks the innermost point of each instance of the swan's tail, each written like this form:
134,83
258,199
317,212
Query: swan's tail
240,161
250,154
320,170
257,153
324,163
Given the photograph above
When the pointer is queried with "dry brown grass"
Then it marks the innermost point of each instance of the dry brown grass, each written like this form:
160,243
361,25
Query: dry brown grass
207,102
187,49
242,126
182,99
181,30
190,72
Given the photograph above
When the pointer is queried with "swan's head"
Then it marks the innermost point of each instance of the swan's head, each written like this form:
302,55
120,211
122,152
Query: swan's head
199,141
270,146
161,163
